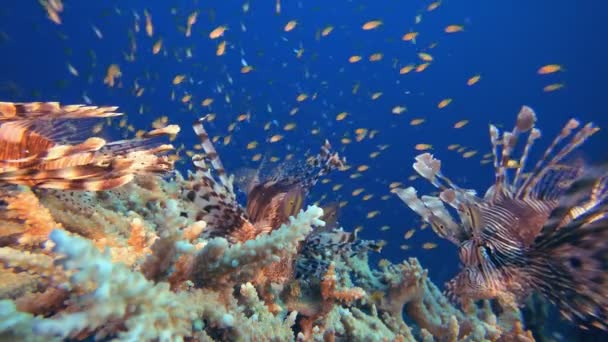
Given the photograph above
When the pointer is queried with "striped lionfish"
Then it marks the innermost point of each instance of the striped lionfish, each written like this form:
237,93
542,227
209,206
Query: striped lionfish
545,231
328,244
43,144
270,202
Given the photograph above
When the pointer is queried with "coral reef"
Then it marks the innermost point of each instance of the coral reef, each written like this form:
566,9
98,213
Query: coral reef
145,272
168,258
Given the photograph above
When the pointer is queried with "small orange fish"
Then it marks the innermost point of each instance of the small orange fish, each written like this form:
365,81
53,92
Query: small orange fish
354,59
398,110
454,28
408,235
375,57
433,6
461,124
191,21
252,145
178,79
218,32
149,26
243,117
429,245
423,147
422,67
302,97
372,24
112,74
221,48
406,69
326,31
276,138
474,79
289,127
290,25
425,57
444,103
416,122
357,192
410,37
553,87
549,69
373,214
469,154
341,116
157,46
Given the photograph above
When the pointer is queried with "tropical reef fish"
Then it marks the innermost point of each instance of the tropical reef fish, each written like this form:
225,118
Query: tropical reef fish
43,144
546,231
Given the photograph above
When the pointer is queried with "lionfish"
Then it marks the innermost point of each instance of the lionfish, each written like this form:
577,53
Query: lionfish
270,202
544,231
328,244
42,145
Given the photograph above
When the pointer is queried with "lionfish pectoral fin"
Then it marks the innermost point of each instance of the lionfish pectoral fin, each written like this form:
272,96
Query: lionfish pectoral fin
569,264
432,211
81,177
52,110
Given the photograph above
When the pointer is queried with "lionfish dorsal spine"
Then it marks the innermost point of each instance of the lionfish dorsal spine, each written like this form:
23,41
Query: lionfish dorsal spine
534,134
210,152
545,162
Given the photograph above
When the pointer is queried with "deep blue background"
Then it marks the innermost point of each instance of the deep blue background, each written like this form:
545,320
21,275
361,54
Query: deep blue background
504,41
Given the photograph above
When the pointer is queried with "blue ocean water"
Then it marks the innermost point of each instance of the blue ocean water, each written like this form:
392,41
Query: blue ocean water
503,41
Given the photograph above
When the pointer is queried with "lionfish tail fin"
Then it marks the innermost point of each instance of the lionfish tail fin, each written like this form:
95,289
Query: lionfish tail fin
569,260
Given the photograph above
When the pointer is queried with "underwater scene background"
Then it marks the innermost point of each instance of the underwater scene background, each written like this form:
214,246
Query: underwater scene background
383,81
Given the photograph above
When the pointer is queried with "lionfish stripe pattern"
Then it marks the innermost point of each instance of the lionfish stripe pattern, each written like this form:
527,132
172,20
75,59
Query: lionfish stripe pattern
36,148
546,230
269,202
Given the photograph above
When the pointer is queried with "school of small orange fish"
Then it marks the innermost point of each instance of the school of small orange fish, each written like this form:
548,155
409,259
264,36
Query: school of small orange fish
276,125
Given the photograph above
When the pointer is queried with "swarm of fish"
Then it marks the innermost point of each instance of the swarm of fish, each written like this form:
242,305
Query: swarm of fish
545,231
45,145
270,201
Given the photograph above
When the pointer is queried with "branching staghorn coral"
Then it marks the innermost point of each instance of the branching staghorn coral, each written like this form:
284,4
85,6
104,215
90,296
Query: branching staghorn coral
220,264
144,262
110,298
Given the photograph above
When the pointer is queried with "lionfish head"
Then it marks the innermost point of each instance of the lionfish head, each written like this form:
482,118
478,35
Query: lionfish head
482,276
272,203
